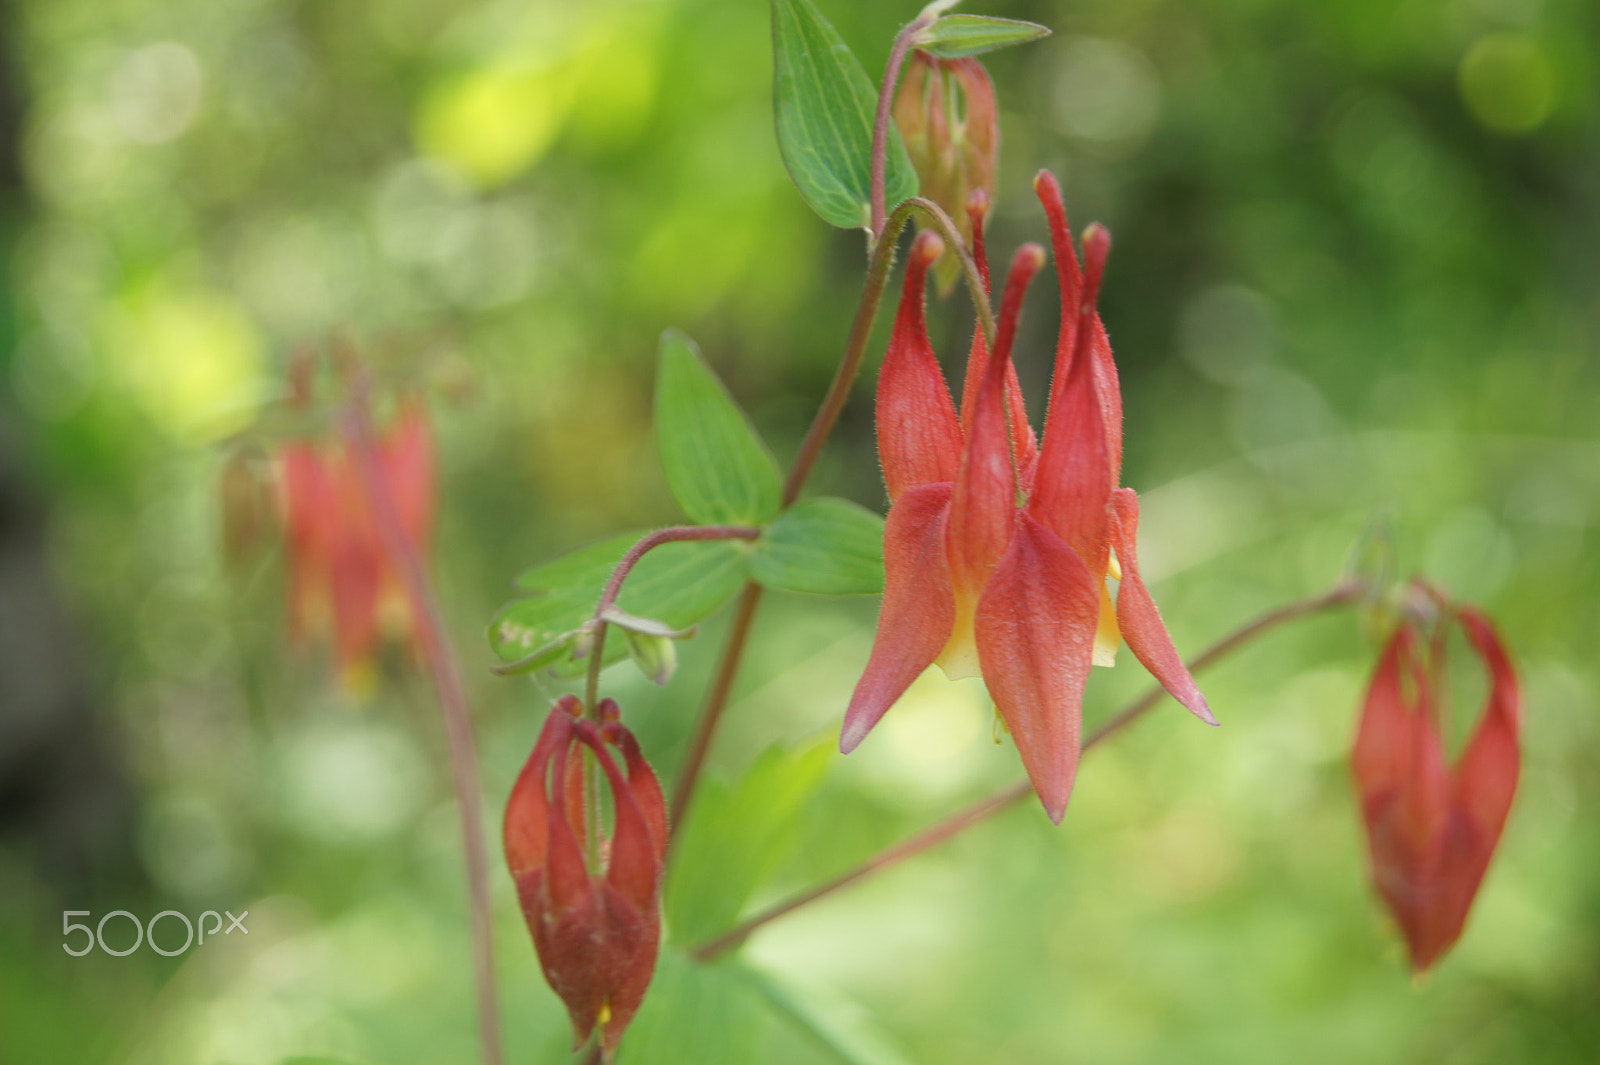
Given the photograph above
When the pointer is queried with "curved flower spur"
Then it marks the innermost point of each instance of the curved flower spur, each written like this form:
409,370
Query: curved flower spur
997,548
596,932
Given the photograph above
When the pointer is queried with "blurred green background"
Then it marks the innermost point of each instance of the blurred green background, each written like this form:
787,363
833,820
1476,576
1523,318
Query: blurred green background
1356,279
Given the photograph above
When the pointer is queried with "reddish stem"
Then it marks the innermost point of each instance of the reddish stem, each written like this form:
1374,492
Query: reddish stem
878,194
445,671
716,702
613,588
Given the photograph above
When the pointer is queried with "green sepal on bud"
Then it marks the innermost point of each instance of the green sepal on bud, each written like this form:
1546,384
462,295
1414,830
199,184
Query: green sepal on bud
656,657
651,643
958,36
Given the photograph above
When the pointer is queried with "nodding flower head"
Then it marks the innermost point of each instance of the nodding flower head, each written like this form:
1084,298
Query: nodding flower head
592,899
341,579
999,544
1432,827
946,113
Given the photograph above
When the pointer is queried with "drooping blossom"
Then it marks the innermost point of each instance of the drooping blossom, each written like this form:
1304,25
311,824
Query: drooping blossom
947,116
341,580
596,930
998,547
1432,827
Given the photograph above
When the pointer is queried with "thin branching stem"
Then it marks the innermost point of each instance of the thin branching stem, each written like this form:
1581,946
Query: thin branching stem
986,808
445,670
879,176
619,574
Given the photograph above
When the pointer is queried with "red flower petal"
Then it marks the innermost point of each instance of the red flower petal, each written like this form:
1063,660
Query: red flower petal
1036,624
1486,777
1107,389
984,507
919,436
978,361
918,610
1483,784
526,829
645,787
1142,628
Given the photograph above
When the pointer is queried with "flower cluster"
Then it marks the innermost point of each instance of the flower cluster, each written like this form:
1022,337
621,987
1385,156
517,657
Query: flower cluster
1432,827
998,546
596,930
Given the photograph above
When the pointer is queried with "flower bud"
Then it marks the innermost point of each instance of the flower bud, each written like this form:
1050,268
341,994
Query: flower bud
1431,827
946,114
596,929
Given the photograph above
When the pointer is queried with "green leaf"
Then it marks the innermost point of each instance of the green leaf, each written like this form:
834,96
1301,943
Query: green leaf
737,837
677,583
825,106
843,1027
955,36
695,1014
716,465
823,546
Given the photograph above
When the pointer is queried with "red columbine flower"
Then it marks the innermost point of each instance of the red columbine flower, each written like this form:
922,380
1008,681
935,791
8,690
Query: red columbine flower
997,549
340,576
1431,828
596,932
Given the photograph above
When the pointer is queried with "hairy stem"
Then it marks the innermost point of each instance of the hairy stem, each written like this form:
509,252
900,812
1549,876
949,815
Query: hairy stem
986,808
613,588
969,266
878,194
671,535
855,350
445,671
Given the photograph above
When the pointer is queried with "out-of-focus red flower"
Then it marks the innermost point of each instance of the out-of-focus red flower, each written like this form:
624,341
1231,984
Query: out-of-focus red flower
947,116
1432,828
997,549
340,577
596,930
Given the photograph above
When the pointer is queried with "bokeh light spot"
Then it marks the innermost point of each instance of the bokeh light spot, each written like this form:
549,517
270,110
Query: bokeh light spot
494,123
1106,93
155,92
1508,83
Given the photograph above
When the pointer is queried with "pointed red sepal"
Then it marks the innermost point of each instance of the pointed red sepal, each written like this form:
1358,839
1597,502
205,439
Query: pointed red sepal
645,786
1073,316
919,436
1022,435
918,611
1431,829
1073,482
1142,628
1035,628
984,507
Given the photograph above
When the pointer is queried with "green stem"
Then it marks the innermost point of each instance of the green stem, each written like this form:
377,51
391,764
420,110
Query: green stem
986,808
